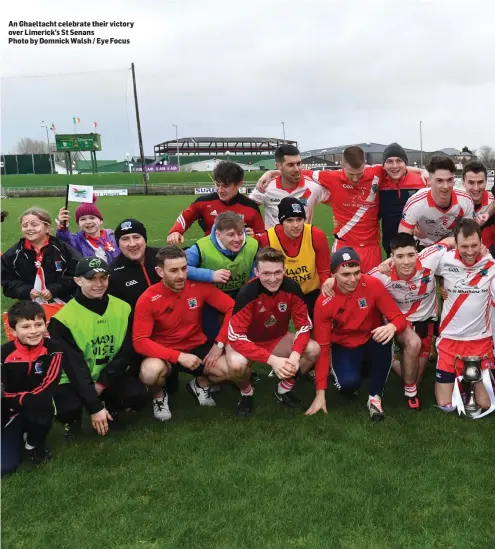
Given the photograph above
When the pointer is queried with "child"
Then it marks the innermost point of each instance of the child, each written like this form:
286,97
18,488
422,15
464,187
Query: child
31,368
91,240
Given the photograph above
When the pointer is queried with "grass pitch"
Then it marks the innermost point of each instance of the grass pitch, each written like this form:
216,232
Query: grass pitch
279,480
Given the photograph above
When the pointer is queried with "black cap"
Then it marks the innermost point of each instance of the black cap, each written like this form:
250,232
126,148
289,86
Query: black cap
394,150
344,255
290,207
129,226
89,266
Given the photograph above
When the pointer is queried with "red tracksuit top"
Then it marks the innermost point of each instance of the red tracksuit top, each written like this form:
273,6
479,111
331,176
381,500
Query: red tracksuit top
167,323
347,319
260,316
207,207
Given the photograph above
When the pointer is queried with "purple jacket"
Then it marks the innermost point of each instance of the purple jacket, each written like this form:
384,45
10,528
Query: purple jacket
81,244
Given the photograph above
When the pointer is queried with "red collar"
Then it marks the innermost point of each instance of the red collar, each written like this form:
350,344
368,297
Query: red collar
27,354
433,204
278,184
28,245
457,255
393,273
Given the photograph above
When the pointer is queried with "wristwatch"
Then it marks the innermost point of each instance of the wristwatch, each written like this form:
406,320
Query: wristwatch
219,344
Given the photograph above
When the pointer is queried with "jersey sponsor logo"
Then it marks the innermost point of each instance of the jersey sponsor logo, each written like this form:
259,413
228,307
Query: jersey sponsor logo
282,307
192,302
362,303
131,282
270,322
465,286
37,368
155,297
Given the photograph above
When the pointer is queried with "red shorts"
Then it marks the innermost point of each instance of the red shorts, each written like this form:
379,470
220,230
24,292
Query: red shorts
270,344
448,349
369,254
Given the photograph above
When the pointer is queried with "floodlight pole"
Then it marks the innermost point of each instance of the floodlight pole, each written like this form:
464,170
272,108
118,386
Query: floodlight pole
283,130
140,137
177,143
43,125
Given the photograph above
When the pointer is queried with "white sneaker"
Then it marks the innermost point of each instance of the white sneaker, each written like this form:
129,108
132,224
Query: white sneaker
161,411
203,394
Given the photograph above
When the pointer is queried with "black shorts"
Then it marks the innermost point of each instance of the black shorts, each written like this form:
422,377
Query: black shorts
310,300
201,351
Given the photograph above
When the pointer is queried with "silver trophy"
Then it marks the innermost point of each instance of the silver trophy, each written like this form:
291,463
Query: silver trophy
471,376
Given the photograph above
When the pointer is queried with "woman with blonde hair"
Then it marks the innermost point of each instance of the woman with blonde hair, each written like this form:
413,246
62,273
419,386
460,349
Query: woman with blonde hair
39,267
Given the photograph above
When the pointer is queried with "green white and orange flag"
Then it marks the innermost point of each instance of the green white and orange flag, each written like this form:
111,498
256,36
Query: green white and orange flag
76,120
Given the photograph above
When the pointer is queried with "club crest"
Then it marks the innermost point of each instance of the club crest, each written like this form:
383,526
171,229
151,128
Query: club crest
282,307
126,225
362,303
192,302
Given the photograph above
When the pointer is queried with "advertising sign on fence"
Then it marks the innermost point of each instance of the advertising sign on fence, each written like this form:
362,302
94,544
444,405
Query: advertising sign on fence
208,190
158,168
111,192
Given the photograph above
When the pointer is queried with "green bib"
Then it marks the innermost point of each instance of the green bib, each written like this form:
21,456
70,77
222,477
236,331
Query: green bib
240,267
98,337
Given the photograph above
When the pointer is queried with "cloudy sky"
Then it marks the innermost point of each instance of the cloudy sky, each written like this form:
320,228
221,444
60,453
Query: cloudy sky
334,72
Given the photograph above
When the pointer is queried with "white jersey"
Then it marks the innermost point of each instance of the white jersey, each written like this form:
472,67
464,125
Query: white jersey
486,201
307,191
416,297
466,312
420,210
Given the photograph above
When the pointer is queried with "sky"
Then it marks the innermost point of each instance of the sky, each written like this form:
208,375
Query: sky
334,72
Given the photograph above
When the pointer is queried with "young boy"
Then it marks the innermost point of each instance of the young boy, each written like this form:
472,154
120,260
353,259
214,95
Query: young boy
31,368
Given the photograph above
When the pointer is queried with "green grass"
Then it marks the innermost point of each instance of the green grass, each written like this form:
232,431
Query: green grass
279,480
113,179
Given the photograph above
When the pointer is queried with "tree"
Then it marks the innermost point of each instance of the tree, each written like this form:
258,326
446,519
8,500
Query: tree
31,146
486,154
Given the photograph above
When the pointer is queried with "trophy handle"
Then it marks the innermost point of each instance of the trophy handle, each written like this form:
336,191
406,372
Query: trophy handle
455,360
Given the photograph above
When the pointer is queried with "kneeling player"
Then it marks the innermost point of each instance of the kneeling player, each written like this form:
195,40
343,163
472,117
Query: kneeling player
350,323
465,324
167,330
259,332
30,374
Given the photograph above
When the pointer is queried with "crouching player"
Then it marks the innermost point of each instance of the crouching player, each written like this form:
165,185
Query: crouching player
30,374
259,332
351,323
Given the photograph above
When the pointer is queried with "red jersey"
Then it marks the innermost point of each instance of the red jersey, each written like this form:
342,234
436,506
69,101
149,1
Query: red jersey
354,205
260,315
292,247
206,208
347,319
167,323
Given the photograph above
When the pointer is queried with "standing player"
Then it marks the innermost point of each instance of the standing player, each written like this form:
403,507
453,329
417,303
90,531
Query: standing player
435,210
167,330
465,328
350,324
259,332
305,248
412,284
290,182
398,185
228,177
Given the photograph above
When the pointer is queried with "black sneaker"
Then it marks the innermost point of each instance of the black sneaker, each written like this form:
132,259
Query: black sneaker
39,456
72,430
245,406
255,378
289,399
413,403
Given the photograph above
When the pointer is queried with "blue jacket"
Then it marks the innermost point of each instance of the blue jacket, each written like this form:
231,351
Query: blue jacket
81,244
194,271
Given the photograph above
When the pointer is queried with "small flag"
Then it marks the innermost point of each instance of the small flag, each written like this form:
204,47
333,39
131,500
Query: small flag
75,120
95,124
80,193
53,128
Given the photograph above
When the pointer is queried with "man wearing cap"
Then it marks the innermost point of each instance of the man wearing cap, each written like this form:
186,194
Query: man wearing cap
95,334
305,248
133,271
350,325
398,185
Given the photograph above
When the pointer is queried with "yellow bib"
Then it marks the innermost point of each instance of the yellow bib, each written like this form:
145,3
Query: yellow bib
301,268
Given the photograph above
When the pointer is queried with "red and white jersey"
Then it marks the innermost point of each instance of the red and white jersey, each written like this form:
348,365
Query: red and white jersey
486,202
416,296
307,191
354,205
420,210
466,312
